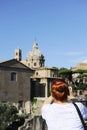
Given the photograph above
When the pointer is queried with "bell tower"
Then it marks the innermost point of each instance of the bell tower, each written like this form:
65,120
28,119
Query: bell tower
18,54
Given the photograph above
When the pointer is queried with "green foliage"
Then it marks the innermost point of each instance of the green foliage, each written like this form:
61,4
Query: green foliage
33,101
82,75
7,114
80,71
65,73
82,86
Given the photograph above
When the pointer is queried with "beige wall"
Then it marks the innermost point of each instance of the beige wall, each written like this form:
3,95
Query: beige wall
15,91
46,72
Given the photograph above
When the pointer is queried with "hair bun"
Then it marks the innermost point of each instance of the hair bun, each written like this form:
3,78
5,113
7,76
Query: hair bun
61,90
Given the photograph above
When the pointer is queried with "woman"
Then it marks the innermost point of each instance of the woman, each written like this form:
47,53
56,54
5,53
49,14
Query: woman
59,113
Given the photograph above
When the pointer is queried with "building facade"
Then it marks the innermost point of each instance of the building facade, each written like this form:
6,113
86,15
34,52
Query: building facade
43,76
15,80
22,80
35,58
80,66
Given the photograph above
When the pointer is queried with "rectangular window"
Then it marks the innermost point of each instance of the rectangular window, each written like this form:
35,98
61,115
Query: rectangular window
20,104
34,64
13,76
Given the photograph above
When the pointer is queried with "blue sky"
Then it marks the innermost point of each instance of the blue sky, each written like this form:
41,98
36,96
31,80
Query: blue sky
59,26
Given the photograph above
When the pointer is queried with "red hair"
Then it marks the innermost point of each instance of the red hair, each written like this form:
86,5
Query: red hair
60,90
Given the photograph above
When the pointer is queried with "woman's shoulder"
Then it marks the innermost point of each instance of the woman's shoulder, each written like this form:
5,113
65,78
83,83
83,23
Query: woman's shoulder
80,104
82,107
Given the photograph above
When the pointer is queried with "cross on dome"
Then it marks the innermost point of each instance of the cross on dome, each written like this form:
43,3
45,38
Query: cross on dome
35,45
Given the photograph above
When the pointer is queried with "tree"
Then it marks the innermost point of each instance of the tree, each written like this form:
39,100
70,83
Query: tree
65,73
7,114
80,71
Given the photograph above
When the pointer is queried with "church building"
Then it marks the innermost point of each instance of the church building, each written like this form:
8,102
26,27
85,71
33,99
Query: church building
22,80
43,76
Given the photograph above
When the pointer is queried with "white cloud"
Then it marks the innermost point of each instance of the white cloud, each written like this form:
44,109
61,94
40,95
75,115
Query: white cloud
85,61
79,60
74,53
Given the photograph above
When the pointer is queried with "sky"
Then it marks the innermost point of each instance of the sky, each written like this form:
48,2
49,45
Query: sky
59,27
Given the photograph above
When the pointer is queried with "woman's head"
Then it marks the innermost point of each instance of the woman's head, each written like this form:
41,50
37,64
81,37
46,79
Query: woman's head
60,90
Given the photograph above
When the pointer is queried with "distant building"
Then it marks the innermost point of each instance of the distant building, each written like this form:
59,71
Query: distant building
41,81
22,80
43,76
35,58
18,54
81,66
15,80
76,78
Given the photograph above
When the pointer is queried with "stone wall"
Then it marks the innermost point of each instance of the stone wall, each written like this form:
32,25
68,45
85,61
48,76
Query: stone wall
15,91
37,123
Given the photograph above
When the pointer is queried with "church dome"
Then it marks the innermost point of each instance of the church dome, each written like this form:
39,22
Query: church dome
35,58
35,52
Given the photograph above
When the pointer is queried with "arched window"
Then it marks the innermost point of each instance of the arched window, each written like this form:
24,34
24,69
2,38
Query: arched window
35,64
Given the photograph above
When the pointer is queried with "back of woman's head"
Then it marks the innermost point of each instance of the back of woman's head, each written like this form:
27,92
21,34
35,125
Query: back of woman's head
60,90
